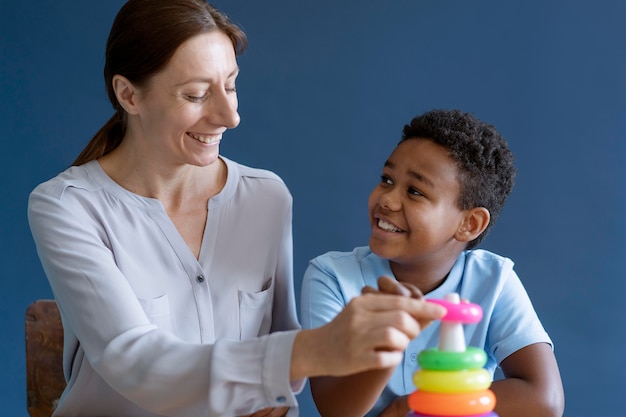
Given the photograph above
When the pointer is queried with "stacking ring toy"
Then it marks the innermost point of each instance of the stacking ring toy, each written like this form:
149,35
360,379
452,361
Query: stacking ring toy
463,312
489,414
465,404
452,381
442,360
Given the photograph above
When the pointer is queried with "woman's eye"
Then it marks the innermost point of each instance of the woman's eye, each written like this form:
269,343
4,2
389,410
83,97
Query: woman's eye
232,89
385,179
196,99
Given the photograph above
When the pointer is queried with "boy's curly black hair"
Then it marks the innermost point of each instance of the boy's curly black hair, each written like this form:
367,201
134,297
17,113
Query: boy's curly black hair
483,159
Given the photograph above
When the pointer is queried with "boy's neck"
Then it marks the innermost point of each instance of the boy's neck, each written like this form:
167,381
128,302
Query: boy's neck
425,275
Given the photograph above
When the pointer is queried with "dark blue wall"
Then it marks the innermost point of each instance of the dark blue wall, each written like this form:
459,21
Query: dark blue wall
324,90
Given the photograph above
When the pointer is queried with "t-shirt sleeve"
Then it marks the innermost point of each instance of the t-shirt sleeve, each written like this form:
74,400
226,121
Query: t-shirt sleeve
321,296
514,323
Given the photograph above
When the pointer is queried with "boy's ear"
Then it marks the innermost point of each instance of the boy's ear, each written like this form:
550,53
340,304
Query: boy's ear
474,223
126,93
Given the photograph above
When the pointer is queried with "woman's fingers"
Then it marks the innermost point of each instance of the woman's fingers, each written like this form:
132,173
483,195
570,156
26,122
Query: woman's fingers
371,332
417,308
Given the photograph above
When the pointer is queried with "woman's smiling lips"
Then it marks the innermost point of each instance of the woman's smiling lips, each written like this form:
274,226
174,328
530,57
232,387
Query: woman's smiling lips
206,139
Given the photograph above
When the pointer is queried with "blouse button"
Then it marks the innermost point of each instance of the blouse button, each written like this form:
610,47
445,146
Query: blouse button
413,357
281,399
200,279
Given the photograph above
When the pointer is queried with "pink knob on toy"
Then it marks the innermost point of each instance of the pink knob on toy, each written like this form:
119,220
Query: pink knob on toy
463,312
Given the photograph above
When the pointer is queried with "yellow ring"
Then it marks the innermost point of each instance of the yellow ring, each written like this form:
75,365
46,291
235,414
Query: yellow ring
452,381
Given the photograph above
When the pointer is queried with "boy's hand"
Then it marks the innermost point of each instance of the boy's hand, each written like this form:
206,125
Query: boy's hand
398,408
390,286
270,412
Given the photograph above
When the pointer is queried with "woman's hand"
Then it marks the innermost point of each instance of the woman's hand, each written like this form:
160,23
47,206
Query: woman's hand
371,332
270,412
390,286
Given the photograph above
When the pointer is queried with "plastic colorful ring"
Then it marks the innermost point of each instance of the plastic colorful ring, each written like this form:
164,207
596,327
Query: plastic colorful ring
467,380
467,313
442,360
464,404
489,414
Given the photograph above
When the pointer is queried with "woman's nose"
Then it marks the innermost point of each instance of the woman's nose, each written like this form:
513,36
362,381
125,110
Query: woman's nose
223,110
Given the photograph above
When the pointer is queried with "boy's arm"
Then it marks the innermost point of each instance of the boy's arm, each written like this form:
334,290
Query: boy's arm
398,408
532,384
355,395
347,396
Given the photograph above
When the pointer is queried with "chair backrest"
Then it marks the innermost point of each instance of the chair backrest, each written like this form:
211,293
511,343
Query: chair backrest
44,358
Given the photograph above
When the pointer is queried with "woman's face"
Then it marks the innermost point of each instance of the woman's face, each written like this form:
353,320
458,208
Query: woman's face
183,110
413,210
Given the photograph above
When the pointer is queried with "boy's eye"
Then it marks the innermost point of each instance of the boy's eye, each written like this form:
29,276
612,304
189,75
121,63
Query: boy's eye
414,191
232,89
385,179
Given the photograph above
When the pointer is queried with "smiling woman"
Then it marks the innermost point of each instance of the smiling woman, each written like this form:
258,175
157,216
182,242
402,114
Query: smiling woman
171,264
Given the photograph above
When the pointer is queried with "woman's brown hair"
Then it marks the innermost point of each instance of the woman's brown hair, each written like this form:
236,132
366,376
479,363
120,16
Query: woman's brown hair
144,36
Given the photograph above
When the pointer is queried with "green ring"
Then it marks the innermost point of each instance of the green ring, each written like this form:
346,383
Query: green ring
440,360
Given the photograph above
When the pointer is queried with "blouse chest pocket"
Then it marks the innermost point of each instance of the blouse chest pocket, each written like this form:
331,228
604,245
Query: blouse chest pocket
255,311
158,311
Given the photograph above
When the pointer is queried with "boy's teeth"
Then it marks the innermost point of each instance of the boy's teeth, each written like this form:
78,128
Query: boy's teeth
387,226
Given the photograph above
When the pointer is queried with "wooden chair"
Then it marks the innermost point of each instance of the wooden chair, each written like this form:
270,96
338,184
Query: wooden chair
44,358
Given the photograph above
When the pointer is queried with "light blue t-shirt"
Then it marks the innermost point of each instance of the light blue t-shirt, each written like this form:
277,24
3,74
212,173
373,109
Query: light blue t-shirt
509,319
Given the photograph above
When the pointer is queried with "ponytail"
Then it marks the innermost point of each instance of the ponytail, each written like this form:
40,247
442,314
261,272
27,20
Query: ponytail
104,141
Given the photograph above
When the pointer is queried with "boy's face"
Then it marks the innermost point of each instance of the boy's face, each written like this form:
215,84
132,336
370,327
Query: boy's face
413,210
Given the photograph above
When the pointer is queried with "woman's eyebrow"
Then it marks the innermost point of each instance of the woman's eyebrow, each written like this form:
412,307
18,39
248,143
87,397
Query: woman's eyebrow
206,80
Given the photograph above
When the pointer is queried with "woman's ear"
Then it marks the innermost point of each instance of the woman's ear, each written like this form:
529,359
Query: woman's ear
126,93
475,221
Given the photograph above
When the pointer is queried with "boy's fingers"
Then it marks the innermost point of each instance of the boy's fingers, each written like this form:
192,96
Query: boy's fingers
391,286
415,292
368,290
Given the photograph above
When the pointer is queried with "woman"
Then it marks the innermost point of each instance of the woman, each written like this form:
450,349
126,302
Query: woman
171,264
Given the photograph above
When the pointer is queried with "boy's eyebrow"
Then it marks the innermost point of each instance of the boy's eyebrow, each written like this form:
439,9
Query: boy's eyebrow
413,174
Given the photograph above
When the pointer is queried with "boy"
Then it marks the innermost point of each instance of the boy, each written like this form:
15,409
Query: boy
441,190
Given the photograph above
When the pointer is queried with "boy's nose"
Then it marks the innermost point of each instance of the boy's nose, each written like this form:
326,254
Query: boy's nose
388,201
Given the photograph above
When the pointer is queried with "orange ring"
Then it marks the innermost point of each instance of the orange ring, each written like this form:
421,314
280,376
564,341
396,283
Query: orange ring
463,404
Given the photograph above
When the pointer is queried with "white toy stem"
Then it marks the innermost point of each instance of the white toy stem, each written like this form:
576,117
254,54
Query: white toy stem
451,336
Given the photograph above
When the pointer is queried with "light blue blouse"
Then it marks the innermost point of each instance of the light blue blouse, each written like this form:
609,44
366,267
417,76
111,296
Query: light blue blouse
149,329
509,319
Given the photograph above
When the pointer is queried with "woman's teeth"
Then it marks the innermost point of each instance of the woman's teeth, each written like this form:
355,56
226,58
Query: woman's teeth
205,139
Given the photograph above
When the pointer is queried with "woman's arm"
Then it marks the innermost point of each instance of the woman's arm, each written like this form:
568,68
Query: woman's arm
532,384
